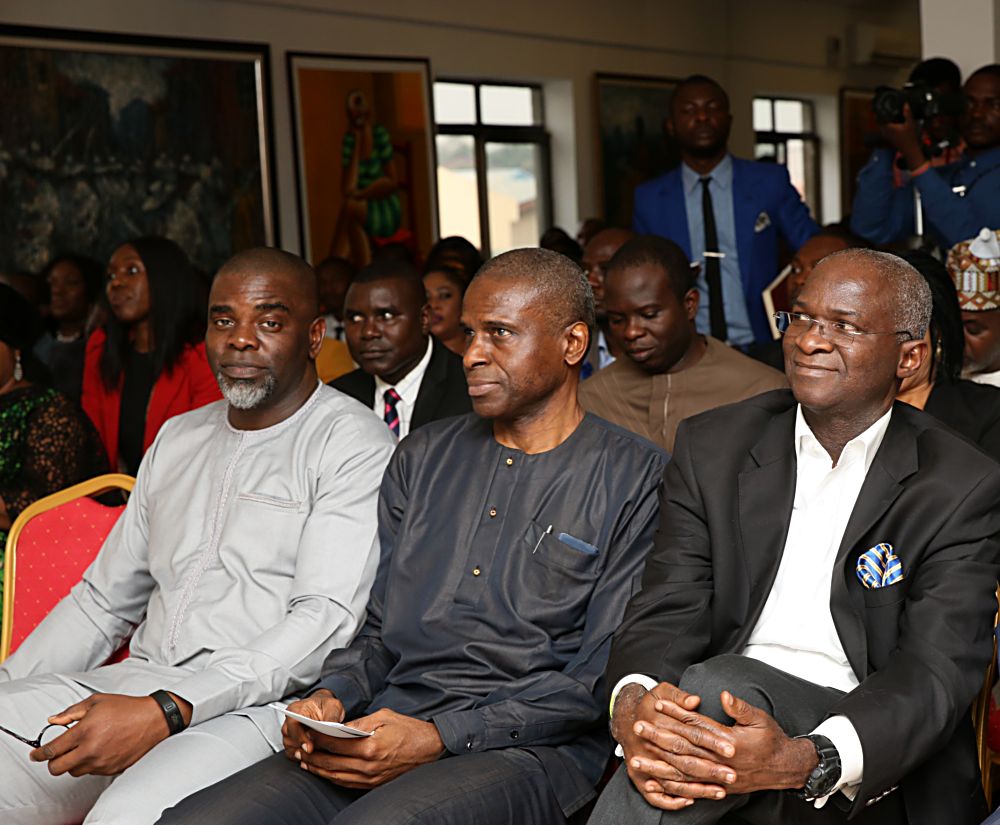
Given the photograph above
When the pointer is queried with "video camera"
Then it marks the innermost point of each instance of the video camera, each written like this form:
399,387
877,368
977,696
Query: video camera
925,103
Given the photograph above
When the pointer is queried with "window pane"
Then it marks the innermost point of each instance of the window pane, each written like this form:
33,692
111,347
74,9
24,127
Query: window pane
454,103
765,150
508,105
762,114
458,191
513,173
796,164
788,116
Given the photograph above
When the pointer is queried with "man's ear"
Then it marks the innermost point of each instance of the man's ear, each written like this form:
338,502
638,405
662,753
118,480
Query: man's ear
912,356
577,342
691,300
425,319
668,127
317,331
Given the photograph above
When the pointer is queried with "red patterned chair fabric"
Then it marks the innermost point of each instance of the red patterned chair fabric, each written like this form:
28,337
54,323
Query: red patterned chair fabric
54,548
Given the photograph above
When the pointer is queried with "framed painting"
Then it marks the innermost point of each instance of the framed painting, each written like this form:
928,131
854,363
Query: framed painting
364,154
632,142
857,128
106,137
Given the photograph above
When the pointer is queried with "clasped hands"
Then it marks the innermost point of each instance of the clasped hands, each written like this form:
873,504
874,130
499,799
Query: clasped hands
399,743
675,755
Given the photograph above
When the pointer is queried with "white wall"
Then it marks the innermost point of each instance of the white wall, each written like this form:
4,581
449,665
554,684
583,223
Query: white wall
752,46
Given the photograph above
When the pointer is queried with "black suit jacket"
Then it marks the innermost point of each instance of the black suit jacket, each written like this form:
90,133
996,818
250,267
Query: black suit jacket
919,648
443,389
970,409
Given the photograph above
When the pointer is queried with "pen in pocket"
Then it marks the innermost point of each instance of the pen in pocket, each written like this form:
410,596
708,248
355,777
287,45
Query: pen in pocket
547,532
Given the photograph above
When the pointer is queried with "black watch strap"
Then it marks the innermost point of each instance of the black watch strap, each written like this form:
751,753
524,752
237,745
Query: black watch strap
175,720
826,774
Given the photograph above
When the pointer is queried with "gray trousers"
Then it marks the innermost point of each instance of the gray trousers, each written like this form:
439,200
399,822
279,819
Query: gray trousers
175,768
797,705
490,788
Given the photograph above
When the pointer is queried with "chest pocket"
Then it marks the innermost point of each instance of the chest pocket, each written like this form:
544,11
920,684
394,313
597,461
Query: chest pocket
555,581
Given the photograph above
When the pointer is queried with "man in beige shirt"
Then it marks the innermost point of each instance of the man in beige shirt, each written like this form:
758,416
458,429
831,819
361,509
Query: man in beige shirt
669,372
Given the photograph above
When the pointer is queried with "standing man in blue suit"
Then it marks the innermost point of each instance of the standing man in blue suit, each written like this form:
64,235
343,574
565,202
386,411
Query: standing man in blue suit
724,212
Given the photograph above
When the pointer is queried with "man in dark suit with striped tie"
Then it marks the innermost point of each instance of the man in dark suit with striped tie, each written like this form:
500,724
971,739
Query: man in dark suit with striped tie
816,615
406,376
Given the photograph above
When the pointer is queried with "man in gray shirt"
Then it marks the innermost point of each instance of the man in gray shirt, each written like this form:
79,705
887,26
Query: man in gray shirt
245,555
510,543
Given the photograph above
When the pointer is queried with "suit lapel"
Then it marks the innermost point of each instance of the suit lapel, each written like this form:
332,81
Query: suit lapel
427,395
744,217
766,494
895,460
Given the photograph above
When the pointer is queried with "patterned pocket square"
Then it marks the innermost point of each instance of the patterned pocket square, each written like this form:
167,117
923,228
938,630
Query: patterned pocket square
763,222
879,567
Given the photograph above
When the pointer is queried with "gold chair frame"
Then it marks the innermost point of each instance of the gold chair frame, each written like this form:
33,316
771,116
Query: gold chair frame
91,487
981,718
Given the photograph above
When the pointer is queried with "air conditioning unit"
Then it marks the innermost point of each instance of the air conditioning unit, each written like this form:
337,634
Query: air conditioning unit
881,46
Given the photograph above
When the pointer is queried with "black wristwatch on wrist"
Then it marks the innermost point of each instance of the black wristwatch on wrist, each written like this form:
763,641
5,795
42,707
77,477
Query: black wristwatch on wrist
175,720
826,774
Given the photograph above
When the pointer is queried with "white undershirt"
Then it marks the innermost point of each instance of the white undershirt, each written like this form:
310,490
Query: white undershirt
408,388
795,632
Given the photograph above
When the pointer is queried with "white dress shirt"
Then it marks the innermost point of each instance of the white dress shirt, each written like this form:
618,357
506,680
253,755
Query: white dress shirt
408,389
990,378
795,632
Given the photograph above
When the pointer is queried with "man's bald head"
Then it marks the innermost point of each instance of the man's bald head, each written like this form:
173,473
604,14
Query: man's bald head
296,275
553,280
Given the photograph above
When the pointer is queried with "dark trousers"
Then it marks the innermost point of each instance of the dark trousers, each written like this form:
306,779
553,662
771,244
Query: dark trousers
500,787
797,705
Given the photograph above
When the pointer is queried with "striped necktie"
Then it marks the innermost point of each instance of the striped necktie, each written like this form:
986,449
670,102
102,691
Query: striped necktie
392,398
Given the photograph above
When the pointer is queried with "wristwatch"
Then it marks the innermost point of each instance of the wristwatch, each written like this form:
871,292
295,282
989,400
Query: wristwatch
825,776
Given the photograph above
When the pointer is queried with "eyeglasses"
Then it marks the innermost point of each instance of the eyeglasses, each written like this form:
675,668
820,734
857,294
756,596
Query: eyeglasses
839,333
43,738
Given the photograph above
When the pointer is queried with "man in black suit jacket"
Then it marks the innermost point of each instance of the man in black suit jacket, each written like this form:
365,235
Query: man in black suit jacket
856,650
415,378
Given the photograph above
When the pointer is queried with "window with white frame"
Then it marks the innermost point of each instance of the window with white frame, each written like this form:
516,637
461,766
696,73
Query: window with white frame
785,133
494,184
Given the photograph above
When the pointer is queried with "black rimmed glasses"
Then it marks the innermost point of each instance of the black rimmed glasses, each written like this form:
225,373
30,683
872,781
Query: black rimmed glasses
839,333
49,732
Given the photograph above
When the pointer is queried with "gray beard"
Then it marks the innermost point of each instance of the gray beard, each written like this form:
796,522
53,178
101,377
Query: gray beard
243,394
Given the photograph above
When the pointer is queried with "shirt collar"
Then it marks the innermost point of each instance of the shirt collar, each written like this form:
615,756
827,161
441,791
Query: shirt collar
408,386
864,445
722,176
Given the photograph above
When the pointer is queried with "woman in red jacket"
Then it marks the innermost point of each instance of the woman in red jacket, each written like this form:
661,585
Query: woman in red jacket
148,362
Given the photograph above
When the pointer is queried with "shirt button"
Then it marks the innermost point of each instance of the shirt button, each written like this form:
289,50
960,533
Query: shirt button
476,571
510,462
493,512
513,734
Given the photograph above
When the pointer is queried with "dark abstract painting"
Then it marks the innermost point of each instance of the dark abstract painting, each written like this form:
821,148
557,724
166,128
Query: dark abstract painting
102,140
633,146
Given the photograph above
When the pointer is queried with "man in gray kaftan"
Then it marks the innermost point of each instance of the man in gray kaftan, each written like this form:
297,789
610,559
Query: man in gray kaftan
245,555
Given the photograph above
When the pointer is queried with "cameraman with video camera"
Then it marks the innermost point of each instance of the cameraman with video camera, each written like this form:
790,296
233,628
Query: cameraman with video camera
957,199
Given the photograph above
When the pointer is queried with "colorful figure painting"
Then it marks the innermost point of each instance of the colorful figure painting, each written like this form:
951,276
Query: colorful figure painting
364,150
